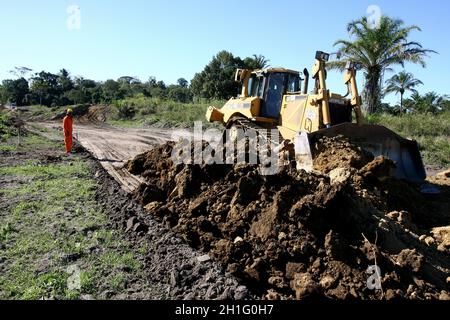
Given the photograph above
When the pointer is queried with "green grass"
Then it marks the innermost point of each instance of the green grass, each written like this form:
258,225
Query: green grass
48,213
44,113
151,111
7,128
432,132
29,141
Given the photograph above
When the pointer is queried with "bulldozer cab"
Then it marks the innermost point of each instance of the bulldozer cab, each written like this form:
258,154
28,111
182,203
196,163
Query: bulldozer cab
270,86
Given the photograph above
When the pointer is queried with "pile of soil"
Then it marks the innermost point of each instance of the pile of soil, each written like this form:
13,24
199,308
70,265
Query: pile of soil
85,113
307,235
96,113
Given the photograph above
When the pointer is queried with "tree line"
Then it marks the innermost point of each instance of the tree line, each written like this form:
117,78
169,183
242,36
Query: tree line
216,81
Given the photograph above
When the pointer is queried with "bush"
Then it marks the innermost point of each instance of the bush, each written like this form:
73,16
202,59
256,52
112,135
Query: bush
125,111
431,131
157,110
8,126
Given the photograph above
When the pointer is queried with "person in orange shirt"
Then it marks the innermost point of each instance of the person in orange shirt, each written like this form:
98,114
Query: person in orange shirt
68,130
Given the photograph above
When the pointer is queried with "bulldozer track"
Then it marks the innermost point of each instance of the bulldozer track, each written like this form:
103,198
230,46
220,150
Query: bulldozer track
249,125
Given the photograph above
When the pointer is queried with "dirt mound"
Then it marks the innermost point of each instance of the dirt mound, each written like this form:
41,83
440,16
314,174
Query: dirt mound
96,113
85,113
337,152
305,235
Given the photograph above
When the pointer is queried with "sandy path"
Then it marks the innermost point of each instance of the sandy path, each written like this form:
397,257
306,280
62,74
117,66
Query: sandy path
113,146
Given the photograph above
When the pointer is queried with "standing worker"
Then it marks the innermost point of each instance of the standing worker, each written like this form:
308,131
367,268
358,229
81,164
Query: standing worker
68,129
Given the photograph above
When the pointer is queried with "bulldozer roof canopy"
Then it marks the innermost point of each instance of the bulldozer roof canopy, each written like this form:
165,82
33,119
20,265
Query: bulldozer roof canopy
271,70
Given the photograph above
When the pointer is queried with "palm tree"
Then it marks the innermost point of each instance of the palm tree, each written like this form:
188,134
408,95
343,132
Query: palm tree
256,62
400,83
261,61
377,50
430,102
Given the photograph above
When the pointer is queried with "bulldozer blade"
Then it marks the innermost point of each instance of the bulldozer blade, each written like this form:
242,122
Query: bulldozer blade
379,140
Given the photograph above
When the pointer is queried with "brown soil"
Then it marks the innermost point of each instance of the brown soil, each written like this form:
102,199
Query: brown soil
96,114
298,234
87,113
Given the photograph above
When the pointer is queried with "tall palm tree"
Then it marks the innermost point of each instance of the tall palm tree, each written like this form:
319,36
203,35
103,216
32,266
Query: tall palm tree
400,83
377,50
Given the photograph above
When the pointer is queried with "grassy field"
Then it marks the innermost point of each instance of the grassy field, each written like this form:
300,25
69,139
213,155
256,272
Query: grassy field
141,110
54,237
432,132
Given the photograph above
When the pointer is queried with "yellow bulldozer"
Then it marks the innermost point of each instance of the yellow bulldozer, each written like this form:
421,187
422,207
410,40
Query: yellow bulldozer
278,98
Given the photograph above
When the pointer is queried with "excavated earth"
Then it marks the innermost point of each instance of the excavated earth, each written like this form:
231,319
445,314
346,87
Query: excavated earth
298,235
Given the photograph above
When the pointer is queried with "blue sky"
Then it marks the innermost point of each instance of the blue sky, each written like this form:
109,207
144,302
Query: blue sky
176,38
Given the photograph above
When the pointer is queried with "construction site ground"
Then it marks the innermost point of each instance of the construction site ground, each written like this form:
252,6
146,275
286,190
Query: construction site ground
66,219
210,232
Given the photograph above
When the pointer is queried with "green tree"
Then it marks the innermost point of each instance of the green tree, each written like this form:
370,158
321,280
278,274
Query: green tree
400,83
151,82
179,93
216,81
182,82
130,86
44,87
15,91
85,91
160,84
110,91
256,62
20,72
128,80
377,50
65,84
430,102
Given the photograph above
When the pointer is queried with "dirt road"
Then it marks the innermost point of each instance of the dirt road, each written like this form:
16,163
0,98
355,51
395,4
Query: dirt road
112,146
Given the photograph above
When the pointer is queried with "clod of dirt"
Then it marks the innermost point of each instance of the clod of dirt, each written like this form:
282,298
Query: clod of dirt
304,286
410,259
338,152
444,174
298,235
442,236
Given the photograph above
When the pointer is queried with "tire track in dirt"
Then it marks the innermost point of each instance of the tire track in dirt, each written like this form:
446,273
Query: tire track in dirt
113,146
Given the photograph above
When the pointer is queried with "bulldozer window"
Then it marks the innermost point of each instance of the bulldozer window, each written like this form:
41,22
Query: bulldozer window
255,86
294,83
274,95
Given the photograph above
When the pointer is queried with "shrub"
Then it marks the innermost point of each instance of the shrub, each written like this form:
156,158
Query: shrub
431,131
125,111
9,126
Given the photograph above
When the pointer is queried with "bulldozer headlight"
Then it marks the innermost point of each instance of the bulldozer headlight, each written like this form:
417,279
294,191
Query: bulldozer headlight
352,65
322,56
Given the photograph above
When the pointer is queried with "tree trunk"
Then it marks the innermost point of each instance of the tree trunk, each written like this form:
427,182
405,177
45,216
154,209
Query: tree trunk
401,103
372,97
